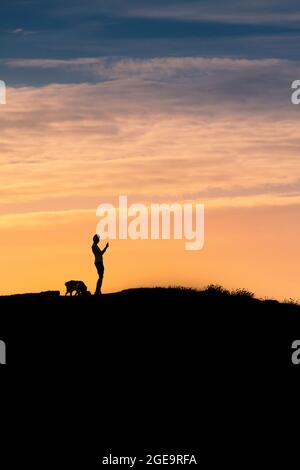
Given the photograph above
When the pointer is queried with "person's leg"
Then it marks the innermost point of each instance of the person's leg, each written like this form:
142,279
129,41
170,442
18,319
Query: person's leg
100,271
98,286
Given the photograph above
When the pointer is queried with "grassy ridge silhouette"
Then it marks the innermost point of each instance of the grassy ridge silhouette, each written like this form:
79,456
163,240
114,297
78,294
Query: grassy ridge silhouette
213,292
169,336
213,295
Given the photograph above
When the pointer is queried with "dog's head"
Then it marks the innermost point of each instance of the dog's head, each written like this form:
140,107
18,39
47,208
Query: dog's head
81,287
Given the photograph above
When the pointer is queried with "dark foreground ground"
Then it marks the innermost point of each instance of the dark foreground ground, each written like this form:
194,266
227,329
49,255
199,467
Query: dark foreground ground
162,370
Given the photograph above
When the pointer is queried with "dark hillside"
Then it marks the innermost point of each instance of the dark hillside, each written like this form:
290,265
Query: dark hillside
147,366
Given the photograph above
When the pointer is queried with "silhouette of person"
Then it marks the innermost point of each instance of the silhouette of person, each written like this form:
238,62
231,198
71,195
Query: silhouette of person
98,253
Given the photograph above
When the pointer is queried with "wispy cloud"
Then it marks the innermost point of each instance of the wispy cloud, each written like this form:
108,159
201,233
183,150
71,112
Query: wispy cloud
158,68
144,28
17,31
22,32
234,12
52,63
175,127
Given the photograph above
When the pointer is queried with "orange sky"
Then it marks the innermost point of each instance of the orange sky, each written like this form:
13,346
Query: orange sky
65,149
243,248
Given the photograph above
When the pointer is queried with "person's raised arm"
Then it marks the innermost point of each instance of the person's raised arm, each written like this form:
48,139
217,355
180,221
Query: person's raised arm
105,248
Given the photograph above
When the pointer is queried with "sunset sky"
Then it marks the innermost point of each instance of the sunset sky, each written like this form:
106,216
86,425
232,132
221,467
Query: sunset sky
162,101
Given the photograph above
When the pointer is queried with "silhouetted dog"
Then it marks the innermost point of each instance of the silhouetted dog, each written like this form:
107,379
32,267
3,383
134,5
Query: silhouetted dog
78,286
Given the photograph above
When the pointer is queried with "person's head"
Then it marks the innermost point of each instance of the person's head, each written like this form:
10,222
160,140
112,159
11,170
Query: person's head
96,238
